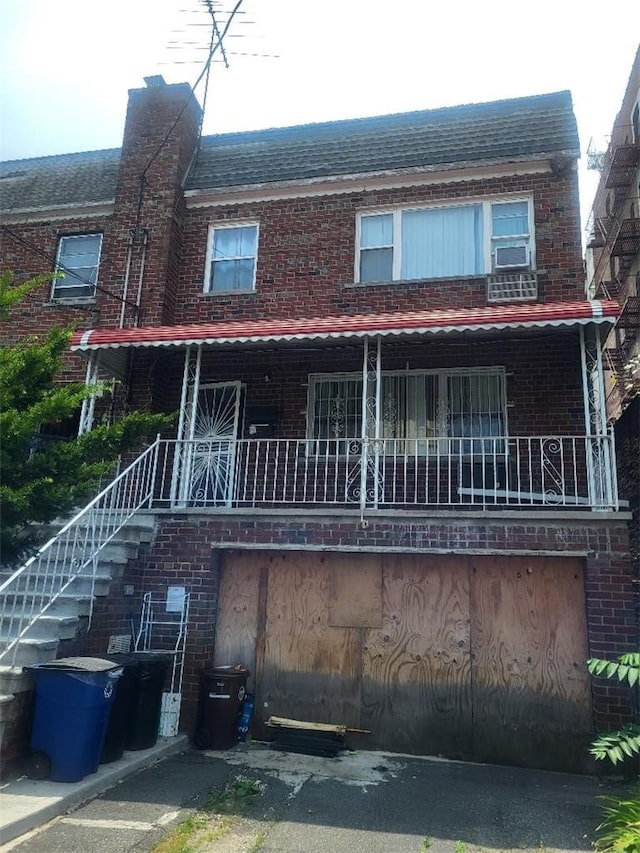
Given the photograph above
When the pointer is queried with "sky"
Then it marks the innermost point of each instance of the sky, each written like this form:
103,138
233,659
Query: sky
66,65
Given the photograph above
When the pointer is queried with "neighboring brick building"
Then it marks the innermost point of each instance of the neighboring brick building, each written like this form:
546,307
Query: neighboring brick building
391,493
613,264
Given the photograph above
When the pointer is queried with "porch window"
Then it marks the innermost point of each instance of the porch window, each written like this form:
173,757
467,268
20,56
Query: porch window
232,258
444,241
466,407
78,260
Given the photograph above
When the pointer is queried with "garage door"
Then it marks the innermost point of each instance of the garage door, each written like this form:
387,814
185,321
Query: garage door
480,657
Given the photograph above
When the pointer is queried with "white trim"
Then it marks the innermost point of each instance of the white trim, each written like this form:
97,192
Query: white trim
365,182
58,284
219,226
19,216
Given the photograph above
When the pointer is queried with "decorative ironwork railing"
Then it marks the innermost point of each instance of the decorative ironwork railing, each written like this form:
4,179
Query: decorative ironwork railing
533,471
31,590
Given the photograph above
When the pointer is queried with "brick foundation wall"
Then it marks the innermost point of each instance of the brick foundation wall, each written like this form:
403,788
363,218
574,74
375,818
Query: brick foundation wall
187,546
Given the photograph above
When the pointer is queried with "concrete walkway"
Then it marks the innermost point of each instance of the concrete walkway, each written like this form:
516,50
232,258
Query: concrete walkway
25,803
368,802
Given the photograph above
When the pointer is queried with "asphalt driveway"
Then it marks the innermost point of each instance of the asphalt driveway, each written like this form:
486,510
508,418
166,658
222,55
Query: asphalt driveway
367,802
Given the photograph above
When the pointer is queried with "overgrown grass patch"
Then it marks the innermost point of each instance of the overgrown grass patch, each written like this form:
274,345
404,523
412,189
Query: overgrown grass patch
215,818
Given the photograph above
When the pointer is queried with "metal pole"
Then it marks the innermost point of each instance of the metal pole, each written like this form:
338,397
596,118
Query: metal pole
364,450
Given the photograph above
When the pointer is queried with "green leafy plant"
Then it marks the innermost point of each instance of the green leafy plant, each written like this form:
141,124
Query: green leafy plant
620,829
624,743
40,481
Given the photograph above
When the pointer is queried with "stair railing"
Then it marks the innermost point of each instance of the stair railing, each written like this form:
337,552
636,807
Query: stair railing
34,588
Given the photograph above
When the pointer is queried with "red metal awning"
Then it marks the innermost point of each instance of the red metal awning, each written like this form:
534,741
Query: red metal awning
396,324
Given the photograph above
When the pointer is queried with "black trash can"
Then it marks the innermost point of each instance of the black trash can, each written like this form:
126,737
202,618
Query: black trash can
122,707
222,689
146,702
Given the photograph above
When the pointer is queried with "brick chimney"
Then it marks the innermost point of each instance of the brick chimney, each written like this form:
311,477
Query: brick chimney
142,248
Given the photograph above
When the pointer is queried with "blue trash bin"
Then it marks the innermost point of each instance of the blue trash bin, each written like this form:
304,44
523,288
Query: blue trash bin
73,698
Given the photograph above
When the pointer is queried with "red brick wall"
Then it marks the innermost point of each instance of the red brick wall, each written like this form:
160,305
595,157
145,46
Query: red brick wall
544,384
307,248
159,142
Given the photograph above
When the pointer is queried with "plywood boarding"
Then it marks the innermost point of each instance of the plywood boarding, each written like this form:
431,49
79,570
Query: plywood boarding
237,625
311,669
416,689
528,642
478,656
355,593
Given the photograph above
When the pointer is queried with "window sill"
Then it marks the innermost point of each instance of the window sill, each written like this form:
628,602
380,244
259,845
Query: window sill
482,277
226,294
70,300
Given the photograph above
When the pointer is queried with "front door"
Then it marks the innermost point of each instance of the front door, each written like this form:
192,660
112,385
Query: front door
212,446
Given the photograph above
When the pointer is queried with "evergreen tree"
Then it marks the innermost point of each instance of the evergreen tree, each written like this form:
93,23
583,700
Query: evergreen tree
42,481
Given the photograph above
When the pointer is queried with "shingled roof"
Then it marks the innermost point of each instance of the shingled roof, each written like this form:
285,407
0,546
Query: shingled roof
497,131
88,177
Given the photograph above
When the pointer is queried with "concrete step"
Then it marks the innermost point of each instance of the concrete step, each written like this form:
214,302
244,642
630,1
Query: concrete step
5,705
13,679
66,604
80,586
44,628
141,528
30,651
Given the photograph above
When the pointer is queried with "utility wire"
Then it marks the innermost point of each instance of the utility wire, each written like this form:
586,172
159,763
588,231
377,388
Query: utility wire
37,251
216,42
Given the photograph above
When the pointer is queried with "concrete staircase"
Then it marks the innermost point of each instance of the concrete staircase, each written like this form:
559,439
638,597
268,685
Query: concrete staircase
67,618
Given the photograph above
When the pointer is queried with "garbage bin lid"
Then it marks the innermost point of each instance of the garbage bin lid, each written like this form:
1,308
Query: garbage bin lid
151,656
237,669
78,664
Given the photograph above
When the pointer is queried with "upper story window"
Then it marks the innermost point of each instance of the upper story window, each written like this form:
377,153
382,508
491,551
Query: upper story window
231,258
78,259
444,241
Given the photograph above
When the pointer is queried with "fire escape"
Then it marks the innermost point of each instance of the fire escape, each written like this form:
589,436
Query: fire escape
614,238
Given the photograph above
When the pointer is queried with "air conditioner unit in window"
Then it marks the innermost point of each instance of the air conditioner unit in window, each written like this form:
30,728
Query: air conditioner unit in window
511,257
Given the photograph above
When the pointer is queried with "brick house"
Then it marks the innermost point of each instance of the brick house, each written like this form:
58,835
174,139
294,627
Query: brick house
390,491
613,271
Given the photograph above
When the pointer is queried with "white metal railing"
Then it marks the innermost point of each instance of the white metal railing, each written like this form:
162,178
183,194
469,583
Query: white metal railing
31,590
531,471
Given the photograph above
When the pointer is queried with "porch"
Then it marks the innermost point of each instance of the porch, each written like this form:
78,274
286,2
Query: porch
432,409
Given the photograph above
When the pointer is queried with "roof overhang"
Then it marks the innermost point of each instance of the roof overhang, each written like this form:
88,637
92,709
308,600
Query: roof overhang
407,324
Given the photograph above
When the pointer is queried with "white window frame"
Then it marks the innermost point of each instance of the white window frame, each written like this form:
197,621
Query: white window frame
430,444
220,226
58,285
487,232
